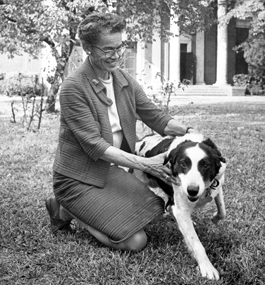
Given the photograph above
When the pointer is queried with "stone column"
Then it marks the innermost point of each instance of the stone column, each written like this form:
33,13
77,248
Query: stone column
156,59
153,63
200,58
222,43
140,62
174,52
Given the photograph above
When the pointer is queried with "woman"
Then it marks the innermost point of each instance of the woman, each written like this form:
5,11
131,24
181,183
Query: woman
99,106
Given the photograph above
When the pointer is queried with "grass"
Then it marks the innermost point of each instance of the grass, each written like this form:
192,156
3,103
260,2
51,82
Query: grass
30,254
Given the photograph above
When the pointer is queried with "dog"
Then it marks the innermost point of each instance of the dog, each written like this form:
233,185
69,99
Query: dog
199,166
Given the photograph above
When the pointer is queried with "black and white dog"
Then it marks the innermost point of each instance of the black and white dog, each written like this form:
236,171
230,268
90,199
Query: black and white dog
199,166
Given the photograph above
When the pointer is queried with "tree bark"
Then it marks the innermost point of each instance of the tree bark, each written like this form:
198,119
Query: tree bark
58,77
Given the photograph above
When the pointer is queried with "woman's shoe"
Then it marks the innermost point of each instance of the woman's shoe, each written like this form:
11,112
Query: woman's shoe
57,224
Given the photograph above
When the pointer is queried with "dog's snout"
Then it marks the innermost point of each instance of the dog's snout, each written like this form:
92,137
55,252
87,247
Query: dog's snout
193,190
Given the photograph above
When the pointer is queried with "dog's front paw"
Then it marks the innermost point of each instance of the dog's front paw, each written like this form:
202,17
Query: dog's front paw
208,271
217,218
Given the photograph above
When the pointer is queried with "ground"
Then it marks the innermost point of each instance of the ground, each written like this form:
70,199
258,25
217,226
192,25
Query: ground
30,254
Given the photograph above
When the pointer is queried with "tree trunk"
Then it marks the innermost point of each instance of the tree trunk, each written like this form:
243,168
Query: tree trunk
55,84
50,102
62,60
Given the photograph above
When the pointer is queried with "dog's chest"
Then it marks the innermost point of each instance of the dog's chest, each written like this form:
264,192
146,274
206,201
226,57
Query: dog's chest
209,194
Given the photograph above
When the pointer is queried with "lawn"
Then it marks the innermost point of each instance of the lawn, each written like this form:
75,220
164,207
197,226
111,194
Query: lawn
30,254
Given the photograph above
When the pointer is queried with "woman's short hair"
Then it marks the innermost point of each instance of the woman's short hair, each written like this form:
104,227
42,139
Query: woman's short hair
95,24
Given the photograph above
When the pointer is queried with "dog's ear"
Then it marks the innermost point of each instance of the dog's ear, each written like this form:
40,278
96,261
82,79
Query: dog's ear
168,161
173,156
221,171
171,161
212,145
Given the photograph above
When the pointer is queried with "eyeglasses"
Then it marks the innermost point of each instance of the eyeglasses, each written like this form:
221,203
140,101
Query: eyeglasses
110,52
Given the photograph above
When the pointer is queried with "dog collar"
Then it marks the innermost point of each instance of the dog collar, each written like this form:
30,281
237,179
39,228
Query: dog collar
212,187
214,184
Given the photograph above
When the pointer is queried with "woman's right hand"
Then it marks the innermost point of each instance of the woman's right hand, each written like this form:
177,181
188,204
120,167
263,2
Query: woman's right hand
155,166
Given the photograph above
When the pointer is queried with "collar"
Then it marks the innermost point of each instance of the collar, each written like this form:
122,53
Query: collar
213,186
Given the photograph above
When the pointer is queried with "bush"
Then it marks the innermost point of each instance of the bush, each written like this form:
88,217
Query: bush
32,93
22,85
255,84
240,80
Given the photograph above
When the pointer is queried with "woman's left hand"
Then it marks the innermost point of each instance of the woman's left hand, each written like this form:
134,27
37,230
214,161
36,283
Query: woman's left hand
155,166
191,130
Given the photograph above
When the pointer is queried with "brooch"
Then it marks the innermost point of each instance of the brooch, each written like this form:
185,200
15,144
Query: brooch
95,81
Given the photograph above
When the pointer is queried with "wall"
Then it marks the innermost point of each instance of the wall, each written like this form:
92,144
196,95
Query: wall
11,67
19,64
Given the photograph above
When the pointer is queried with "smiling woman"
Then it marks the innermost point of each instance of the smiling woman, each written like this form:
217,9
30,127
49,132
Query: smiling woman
107,55
101,38
99,107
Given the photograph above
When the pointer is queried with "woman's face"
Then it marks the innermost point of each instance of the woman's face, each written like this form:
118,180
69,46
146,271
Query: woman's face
107,61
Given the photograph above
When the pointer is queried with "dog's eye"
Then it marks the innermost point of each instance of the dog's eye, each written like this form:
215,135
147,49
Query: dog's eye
183,164
205,166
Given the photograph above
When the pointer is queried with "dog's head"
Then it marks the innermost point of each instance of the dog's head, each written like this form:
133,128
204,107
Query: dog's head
196,163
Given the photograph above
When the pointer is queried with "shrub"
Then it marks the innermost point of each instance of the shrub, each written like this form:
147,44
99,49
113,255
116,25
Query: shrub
255,84
22,85
30,108
240,80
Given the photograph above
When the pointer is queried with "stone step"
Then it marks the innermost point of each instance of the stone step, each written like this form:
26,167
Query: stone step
201,94
202,90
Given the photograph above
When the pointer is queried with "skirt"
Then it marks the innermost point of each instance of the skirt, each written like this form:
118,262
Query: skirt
123,207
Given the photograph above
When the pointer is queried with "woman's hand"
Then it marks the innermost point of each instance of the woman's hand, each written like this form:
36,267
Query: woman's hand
155,166
174,128
191,130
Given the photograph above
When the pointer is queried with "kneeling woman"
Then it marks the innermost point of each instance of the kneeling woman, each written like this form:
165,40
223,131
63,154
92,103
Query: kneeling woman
99,107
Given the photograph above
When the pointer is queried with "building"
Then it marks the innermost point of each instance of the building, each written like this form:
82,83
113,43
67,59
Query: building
204,58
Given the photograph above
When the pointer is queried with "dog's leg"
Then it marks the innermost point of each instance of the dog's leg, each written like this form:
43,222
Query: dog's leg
183,218
220,214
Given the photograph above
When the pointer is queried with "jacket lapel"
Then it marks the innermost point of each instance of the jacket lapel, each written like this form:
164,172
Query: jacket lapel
122,100
96,84
124,107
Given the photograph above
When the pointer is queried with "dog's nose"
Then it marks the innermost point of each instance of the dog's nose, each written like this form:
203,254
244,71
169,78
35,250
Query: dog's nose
193,190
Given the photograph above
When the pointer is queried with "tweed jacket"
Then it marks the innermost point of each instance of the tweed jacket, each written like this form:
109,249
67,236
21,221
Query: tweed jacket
85,131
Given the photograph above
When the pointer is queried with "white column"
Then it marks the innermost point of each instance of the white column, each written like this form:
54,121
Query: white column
166,61
200,58
222,43
153,63
140,62
174,52
156,60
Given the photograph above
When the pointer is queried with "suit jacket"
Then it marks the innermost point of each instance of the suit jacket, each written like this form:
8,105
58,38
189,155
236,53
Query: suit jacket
85,131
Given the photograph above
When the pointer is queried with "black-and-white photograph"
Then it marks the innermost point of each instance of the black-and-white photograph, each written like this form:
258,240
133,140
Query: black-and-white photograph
132,142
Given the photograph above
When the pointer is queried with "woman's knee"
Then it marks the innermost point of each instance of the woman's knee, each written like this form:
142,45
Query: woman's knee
136,242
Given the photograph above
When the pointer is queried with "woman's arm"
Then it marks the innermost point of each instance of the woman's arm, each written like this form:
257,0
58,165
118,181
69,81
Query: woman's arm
174,128
153,165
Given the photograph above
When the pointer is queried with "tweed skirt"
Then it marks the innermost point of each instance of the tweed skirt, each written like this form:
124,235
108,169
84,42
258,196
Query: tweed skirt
124,206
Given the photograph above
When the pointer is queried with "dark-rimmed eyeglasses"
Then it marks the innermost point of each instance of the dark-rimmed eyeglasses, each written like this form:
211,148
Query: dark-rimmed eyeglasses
110,52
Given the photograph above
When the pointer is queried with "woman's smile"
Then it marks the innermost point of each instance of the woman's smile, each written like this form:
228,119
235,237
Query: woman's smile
113,63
